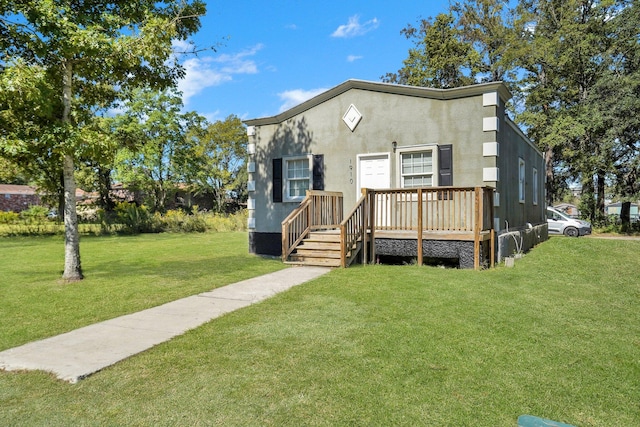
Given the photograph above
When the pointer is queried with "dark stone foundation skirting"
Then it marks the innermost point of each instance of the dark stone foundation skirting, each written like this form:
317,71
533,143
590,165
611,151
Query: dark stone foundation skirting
271,244
449,249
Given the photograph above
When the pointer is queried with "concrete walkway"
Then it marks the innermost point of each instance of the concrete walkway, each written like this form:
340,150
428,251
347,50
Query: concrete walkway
77,354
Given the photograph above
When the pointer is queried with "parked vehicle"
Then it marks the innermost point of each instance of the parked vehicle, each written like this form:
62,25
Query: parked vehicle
560,223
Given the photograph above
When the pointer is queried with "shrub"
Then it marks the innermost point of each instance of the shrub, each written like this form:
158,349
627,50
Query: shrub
9,217
178,221
228,222
35,214
135,219
130,218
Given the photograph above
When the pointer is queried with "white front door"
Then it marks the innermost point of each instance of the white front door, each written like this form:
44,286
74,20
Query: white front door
374,171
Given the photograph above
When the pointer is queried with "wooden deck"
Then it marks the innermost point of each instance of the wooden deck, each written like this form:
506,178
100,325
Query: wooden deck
431,235
434,213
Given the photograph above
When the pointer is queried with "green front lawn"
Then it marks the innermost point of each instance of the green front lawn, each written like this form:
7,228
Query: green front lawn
558,336
124,274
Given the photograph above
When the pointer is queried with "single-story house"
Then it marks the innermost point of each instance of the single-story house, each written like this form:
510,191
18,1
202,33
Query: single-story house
392,170
569,209
17,198
616,208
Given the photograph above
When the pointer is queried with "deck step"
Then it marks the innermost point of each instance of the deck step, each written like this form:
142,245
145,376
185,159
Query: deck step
305,252
321,246
324,237
323,262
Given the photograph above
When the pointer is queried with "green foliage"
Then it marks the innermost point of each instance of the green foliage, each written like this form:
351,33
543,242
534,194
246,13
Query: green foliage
175,221
160,155
218,164
227,222
9,217
35,213
439,58
135,219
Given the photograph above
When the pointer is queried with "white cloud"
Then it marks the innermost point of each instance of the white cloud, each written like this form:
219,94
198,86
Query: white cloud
354,28
207,71
353,58
294,97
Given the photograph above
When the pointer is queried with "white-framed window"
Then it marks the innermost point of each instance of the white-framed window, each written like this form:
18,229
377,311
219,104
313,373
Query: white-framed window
535,186
521,180
297,177
417,166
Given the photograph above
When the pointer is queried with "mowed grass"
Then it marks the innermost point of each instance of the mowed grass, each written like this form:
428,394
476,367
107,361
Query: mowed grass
558,336
124,274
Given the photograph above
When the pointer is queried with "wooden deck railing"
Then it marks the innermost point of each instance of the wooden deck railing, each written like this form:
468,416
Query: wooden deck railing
319,210
353,232
457,211
454,213
432,209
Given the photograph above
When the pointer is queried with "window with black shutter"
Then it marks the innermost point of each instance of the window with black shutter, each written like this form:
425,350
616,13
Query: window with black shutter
318,172
445,165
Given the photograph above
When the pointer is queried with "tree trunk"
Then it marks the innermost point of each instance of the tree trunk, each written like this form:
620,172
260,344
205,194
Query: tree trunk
551,190
72,269
600,195
104,189
625,216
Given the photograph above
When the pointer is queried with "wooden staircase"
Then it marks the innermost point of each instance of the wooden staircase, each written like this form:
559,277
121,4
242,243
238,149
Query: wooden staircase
321,248
315,233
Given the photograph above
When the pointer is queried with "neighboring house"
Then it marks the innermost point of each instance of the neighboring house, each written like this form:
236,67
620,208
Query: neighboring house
616,208
569,209
479,179
17,198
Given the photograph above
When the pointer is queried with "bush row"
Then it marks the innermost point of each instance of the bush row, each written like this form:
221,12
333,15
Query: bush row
127,218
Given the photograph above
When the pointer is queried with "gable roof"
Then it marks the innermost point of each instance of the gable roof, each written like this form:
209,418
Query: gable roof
414,91
17,189
27,190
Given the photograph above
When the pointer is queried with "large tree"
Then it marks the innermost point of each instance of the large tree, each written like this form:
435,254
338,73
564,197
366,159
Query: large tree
570,53
573,68
492,29
475,41
440,58
160,154
68,60
221,150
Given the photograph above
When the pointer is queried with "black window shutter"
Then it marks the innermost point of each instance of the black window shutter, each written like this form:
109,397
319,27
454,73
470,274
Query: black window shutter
318,172
277,181
445,165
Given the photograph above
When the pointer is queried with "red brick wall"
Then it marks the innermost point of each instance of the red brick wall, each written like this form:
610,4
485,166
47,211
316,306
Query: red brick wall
18,202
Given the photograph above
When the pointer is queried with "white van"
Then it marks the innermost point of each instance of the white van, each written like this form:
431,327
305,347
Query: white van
560,223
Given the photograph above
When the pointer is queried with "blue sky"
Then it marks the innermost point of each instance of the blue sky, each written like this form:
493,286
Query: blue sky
272,55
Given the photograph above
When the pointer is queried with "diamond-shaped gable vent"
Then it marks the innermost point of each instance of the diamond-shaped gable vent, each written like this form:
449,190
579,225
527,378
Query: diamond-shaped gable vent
352,117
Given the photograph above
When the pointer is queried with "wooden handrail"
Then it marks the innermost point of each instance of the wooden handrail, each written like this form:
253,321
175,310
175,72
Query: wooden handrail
295,227
352,230
318,210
